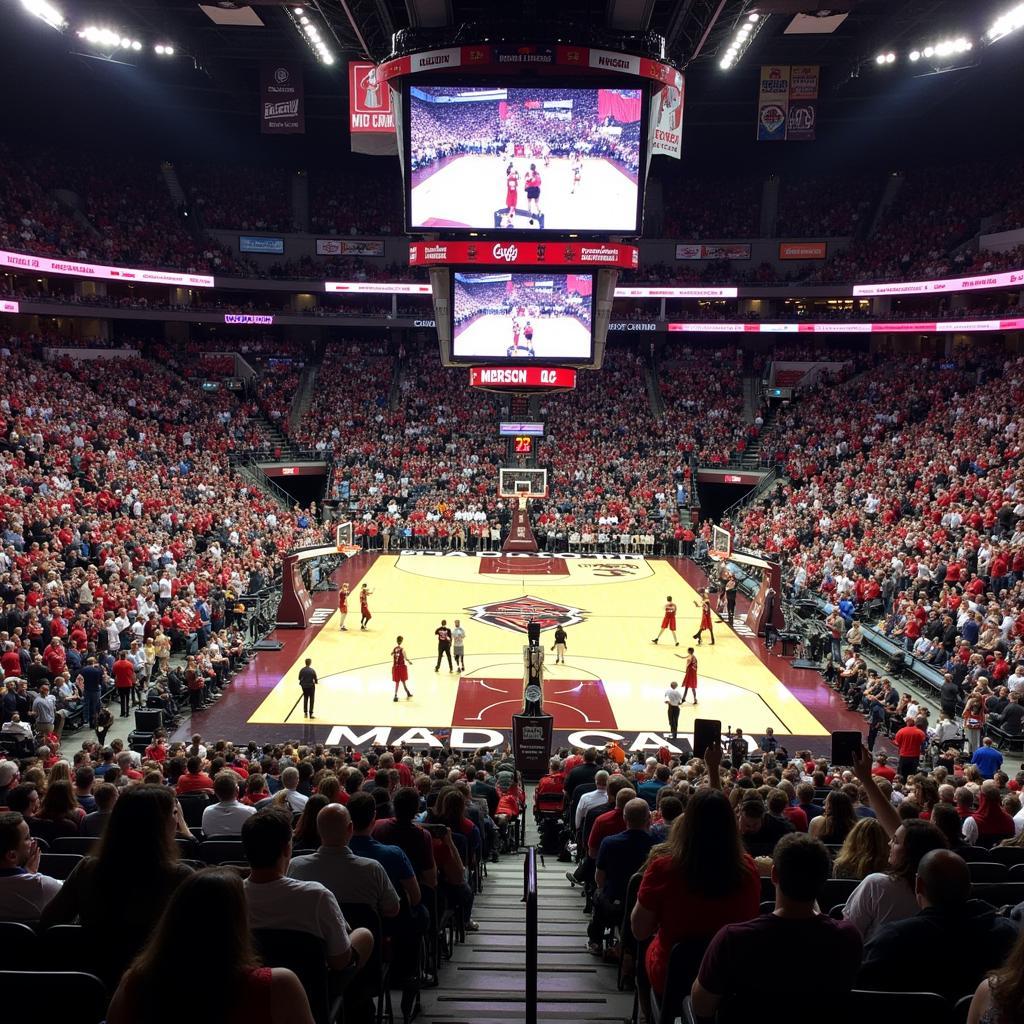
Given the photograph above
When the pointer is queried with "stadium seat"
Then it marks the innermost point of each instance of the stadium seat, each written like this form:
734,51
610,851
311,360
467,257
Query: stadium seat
988,871
58,865
627,940
837,890
1011,856
683,964
904,1006
305,954
220,851
768,906
21,946
374,975
999,894
192,807
81,845
68,995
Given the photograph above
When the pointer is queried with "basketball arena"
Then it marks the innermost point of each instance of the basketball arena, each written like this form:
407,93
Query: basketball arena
511,513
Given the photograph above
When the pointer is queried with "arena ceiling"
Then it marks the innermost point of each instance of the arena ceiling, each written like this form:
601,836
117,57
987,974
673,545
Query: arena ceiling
220,45
843,33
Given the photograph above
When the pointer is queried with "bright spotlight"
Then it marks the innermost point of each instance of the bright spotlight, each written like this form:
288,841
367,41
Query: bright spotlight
929,51
136,45
297,10
880,59
754,17
914,55
45,12
303,20
126,43
890,57
725,64
1006,23
328,59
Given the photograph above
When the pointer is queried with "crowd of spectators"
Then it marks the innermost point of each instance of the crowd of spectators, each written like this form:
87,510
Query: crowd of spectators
372,854
826,207
239,197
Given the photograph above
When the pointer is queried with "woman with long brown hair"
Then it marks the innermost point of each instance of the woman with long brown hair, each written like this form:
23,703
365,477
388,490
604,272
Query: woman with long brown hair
865,850
306,836
231,986
697,881
999,999
837,822
119,894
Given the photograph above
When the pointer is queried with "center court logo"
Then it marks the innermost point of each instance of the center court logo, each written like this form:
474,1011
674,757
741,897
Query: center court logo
515,614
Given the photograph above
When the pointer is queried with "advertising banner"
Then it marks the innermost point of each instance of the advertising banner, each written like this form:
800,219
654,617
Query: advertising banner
260,243
803,103
362,247
574,253
667,121
369,101
773,103
876,327
713,251
803,250
73,268
282,108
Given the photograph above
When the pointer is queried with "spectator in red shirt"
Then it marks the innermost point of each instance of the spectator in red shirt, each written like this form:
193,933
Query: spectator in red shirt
610,823
195,780
909,740
883,768
124,681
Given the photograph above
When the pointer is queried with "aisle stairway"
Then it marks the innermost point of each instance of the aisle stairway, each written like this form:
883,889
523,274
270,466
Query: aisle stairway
484,982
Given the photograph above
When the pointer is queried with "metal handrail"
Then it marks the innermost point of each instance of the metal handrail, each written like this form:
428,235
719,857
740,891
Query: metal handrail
530,899
766,481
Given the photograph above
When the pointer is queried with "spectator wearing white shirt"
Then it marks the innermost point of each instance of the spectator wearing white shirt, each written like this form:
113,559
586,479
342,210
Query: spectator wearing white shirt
24,893
594,798
276,901
289,780
227,816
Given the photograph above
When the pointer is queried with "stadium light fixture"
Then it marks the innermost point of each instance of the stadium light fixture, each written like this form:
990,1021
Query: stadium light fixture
914,55
743,36
45,12
1006,23
164,50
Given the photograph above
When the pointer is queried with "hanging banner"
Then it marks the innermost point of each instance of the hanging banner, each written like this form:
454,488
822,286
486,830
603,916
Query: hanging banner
369,101
803,103
803,250
714,251
773,103
667,120
282,108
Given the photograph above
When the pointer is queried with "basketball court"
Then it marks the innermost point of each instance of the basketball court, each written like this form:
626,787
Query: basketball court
465,191
611,684
490,335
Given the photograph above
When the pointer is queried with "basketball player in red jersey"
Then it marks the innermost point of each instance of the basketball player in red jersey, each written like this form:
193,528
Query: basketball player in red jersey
400,668
532,182
705,619
511,189
668,620
343,606
690,679
364,606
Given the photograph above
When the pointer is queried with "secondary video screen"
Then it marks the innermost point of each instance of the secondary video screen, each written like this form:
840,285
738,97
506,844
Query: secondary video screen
536,159
522,316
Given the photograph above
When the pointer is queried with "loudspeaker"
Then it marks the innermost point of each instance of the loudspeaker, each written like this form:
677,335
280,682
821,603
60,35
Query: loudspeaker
149,720
138,741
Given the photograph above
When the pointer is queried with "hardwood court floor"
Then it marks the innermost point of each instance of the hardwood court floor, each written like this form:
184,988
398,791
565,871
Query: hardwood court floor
611,684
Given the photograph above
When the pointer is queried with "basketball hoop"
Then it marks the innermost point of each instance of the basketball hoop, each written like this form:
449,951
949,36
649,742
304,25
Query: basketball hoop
721,544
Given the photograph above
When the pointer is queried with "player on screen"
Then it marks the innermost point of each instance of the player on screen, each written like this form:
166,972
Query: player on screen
545,152
532,182
528,335
668,620
511,189
400,668
577,171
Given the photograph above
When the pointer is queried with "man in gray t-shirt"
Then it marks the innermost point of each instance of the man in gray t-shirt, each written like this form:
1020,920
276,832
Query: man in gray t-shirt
459,646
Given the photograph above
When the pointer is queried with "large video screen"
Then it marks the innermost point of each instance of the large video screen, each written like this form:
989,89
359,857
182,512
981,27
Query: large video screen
534,159
520,316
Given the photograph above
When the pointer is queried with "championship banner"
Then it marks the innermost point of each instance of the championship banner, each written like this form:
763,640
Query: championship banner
282,109
667,121
773,103
369,101
554,254
696,251
803,103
